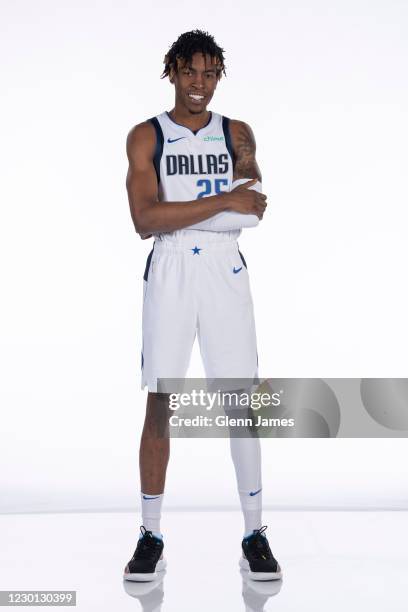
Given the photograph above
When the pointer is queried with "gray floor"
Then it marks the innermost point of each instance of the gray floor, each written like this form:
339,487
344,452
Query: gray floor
339,560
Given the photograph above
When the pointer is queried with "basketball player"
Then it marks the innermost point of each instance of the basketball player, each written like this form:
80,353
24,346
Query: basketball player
194,183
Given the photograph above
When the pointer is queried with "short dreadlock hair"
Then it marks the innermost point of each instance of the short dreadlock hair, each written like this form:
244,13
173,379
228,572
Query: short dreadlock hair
183,49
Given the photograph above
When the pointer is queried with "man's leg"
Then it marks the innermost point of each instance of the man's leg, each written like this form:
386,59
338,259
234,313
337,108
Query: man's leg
153,459
227,339
168,332
154,453
246,457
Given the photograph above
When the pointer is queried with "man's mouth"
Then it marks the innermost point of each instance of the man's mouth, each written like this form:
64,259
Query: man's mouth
196,97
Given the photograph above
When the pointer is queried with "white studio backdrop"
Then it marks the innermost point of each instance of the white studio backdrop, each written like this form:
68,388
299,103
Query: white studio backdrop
323,85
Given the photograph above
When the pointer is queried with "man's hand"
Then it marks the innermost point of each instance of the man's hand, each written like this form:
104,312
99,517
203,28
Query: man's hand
247,201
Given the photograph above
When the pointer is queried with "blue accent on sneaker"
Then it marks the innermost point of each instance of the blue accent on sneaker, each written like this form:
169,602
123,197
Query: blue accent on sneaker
251,533
158,536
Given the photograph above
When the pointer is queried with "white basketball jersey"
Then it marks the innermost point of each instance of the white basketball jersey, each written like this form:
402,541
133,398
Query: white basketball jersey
192,165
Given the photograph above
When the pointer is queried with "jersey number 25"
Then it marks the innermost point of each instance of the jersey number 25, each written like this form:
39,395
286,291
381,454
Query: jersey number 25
207,184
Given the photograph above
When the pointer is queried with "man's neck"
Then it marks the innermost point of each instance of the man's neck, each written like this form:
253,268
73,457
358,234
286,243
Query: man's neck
192,121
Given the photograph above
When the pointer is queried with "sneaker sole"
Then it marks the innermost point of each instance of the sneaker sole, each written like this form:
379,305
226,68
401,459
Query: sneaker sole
244,564
161,565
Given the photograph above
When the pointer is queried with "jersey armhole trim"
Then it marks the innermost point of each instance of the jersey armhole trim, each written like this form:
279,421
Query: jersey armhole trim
228,141
158,152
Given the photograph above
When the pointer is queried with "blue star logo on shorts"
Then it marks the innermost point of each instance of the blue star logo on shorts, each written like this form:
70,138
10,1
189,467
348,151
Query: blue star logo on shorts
196,250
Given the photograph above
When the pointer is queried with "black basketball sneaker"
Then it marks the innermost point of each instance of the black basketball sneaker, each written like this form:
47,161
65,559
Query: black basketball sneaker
147,559
257,557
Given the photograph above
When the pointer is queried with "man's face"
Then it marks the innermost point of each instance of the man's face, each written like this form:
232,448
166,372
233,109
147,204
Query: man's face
195,83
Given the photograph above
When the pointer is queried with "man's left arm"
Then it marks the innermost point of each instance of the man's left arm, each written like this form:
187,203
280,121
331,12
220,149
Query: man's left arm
244,148
245,168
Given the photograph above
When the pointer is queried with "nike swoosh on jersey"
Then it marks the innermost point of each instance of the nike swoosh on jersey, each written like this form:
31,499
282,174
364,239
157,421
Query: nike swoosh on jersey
174,139
236,270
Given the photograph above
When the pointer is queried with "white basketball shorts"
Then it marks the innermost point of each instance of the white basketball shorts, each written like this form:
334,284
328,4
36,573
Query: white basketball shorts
193,286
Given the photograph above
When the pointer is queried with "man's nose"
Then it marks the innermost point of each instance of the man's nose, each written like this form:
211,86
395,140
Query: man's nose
198,81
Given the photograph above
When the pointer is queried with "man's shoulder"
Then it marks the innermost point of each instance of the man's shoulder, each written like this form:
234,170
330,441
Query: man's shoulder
237,122
141,135
141,130
236,125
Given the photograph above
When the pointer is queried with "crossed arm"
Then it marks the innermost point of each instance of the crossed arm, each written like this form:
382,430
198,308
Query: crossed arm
151,216
246,167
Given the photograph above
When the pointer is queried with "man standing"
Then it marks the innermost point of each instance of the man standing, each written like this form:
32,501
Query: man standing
194,183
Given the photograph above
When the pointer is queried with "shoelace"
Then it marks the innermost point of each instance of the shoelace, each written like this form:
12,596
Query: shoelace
258,545
147,547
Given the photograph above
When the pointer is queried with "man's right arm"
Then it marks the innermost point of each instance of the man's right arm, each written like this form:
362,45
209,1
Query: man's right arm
151,216
148,214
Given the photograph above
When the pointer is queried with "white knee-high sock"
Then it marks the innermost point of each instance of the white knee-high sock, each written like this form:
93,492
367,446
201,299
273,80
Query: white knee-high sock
151,512
246,456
